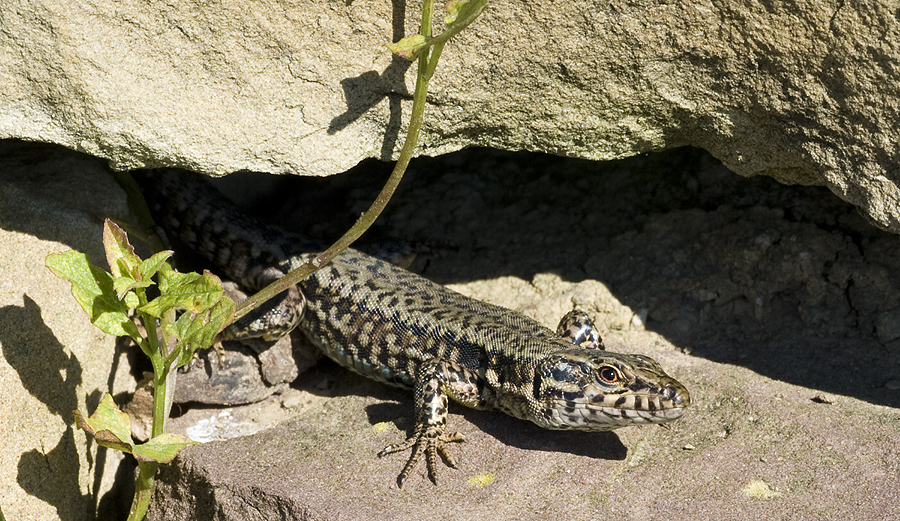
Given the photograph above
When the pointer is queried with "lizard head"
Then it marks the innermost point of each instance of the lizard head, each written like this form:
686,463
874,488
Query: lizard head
594,390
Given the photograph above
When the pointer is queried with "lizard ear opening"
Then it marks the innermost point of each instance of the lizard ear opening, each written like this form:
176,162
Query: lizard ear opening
563,370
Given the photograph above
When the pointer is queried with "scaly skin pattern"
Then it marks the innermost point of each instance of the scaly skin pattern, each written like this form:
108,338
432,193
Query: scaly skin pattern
396,327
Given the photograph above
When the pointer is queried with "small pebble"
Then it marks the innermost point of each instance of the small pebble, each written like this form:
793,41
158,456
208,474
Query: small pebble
893,385
639,319
292,401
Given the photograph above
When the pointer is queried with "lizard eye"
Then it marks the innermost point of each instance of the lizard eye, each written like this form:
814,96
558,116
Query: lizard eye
608,374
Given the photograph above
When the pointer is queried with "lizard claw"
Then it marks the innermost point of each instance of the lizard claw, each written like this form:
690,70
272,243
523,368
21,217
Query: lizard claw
430,443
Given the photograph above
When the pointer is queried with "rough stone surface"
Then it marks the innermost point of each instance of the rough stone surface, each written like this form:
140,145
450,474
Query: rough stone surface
801,90
767,301
52,360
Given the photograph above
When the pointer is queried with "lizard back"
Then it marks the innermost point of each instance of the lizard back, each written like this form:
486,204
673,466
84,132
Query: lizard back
366,314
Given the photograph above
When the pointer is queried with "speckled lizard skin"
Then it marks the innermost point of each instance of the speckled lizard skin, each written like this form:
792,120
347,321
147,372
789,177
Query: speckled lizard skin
396,327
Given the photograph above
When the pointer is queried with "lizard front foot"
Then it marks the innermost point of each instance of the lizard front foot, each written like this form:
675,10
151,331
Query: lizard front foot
429,442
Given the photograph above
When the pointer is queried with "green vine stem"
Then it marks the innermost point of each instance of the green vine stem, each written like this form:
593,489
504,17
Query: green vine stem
427,65
143,490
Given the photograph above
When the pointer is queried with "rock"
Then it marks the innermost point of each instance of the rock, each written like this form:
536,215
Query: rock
322,464
655,236
206,424
887,326
805,93
52,360
229,378
239,374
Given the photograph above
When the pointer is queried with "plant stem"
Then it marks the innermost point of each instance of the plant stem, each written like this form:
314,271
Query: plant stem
161,369
143,490
427,65
427,20
458,25
162,384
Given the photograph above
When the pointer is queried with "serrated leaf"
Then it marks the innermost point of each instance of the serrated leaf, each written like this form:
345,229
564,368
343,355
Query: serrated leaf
128,269
112,428
93,289
149,267
197,331
190,291
162,448
119,252
169,279
195,293
409,47
108,425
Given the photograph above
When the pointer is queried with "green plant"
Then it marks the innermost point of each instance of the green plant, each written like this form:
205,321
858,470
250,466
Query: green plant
191,309
188,313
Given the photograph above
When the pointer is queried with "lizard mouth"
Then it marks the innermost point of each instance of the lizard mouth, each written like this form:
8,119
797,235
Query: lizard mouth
637,415
592,409
594,417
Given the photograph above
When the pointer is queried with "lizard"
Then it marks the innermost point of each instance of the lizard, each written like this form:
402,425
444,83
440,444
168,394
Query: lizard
399,328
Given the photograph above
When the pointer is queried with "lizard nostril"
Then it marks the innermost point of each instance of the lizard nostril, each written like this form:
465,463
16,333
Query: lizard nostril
677,396
670,392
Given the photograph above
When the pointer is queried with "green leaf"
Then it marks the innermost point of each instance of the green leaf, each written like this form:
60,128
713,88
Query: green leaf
108,425
190,291
131,300
149,267
162,448
112,428
409,47
129,270
122,285
197,331
463,11
93,289
119,252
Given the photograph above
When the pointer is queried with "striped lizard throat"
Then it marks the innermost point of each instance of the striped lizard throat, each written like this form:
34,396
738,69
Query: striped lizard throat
396,327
